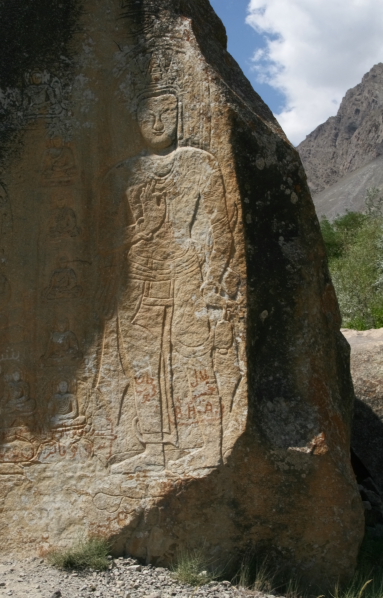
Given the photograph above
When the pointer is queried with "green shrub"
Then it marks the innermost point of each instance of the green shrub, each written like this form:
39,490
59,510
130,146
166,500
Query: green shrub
194,567
91,553
357,277
340,234
354,244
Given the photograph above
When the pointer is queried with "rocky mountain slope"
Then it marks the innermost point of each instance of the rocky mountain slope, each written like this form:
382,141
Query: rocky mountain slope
349,193
349,140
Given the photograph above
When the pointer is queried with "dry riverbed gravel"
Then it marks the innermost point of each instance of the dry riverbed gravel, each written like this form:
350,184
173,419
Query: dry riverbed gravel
126,578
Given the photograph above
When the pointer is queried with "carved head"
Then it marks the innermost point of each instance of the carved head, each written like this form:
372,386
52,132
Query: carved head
157,116
63,387
62,325
57,142
16,376
63,261
36,78
60,197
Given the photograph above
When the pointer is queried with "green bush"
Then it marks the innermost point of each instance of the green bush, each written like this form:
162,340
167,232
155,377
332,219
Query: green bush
354,244
91,553
194,567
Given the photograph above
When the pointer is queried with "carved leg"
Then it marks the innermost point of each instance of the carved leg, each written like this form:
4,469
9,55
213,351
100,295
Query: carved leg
205,397
142,343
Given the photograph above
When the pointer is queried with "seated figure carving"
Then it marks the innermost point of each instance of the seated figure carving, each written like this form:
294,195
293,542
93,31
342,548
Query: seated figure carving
18,407
63,221
59,166
63,347
63,408
63,283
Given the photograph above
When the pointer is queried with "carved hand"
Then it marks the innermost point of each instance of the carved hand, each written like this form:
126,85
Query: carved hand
210,292
153,208
211,296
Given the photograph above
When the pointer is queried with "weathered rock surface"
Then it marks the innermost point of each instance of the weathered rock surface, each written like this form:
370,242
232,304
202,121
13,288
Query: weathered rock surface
349,140
367,373
172,370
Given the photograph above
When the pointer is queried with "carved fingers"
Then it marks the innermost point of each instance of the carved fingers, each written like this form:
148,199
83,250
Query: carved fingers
153,209
211,295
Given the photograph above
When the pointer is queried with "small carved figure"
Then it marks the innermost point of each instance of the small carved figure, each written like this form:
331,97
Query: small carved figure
42,96
63,347
18,407
63,408
63,283
63,221
59,166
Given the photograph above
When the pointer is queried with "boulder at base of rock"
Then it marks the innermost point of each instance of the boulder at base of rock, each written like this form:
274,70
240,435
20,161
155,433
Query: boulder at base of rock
172,370
367,374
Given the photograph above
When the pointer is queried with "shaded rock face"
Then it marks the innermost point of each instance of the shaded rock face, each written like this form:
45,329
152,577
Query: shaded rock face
349,140
172,370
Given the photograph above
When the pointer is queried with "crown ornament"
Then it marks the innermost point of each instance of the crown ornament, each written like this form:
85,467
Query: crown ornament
146,72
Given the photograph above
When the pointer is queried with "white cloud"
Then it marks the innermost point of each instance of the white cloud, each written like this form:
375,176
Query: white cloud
315,51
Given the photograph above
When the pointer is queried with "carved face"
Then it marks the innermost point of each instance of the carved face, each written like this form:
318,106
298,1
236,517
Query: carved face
62,325
16,376
57,142
37,78
63,387
157,117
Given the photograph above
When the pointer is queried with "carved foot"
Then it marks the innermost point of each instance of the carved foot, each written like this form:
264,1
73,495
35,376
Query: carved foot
197,460
149,460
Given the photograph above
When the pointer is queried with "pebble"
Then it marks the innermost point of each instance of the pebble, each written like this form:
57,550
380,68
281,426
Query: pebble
34,578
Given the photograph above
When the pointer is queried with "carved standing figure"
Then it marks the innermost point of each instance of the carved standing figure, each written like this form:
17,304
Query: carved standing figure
170,264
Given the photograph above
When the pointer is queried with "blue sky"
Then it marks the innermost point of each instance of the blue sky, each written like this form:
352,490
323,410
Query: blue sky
243,42
302,56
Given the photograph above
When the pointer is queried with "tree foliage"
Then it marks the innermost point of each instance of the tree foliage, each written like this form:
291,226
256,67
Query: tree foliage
354,245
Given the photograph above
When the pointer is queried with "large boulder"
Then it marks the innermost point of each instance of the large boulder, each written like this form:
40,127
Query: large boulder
172,369
367,374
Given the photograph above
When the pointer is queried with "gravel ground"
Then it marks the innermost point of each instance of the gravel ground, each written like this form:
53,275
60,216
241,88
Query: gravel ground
34,578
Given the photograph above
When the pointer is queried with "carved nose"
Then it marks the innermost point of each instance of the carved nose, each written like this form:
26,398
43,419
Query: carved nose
158,125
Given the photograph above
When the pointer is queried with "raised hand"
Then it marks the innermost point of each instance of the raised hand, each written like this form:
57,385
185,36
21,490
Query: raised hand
153,209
